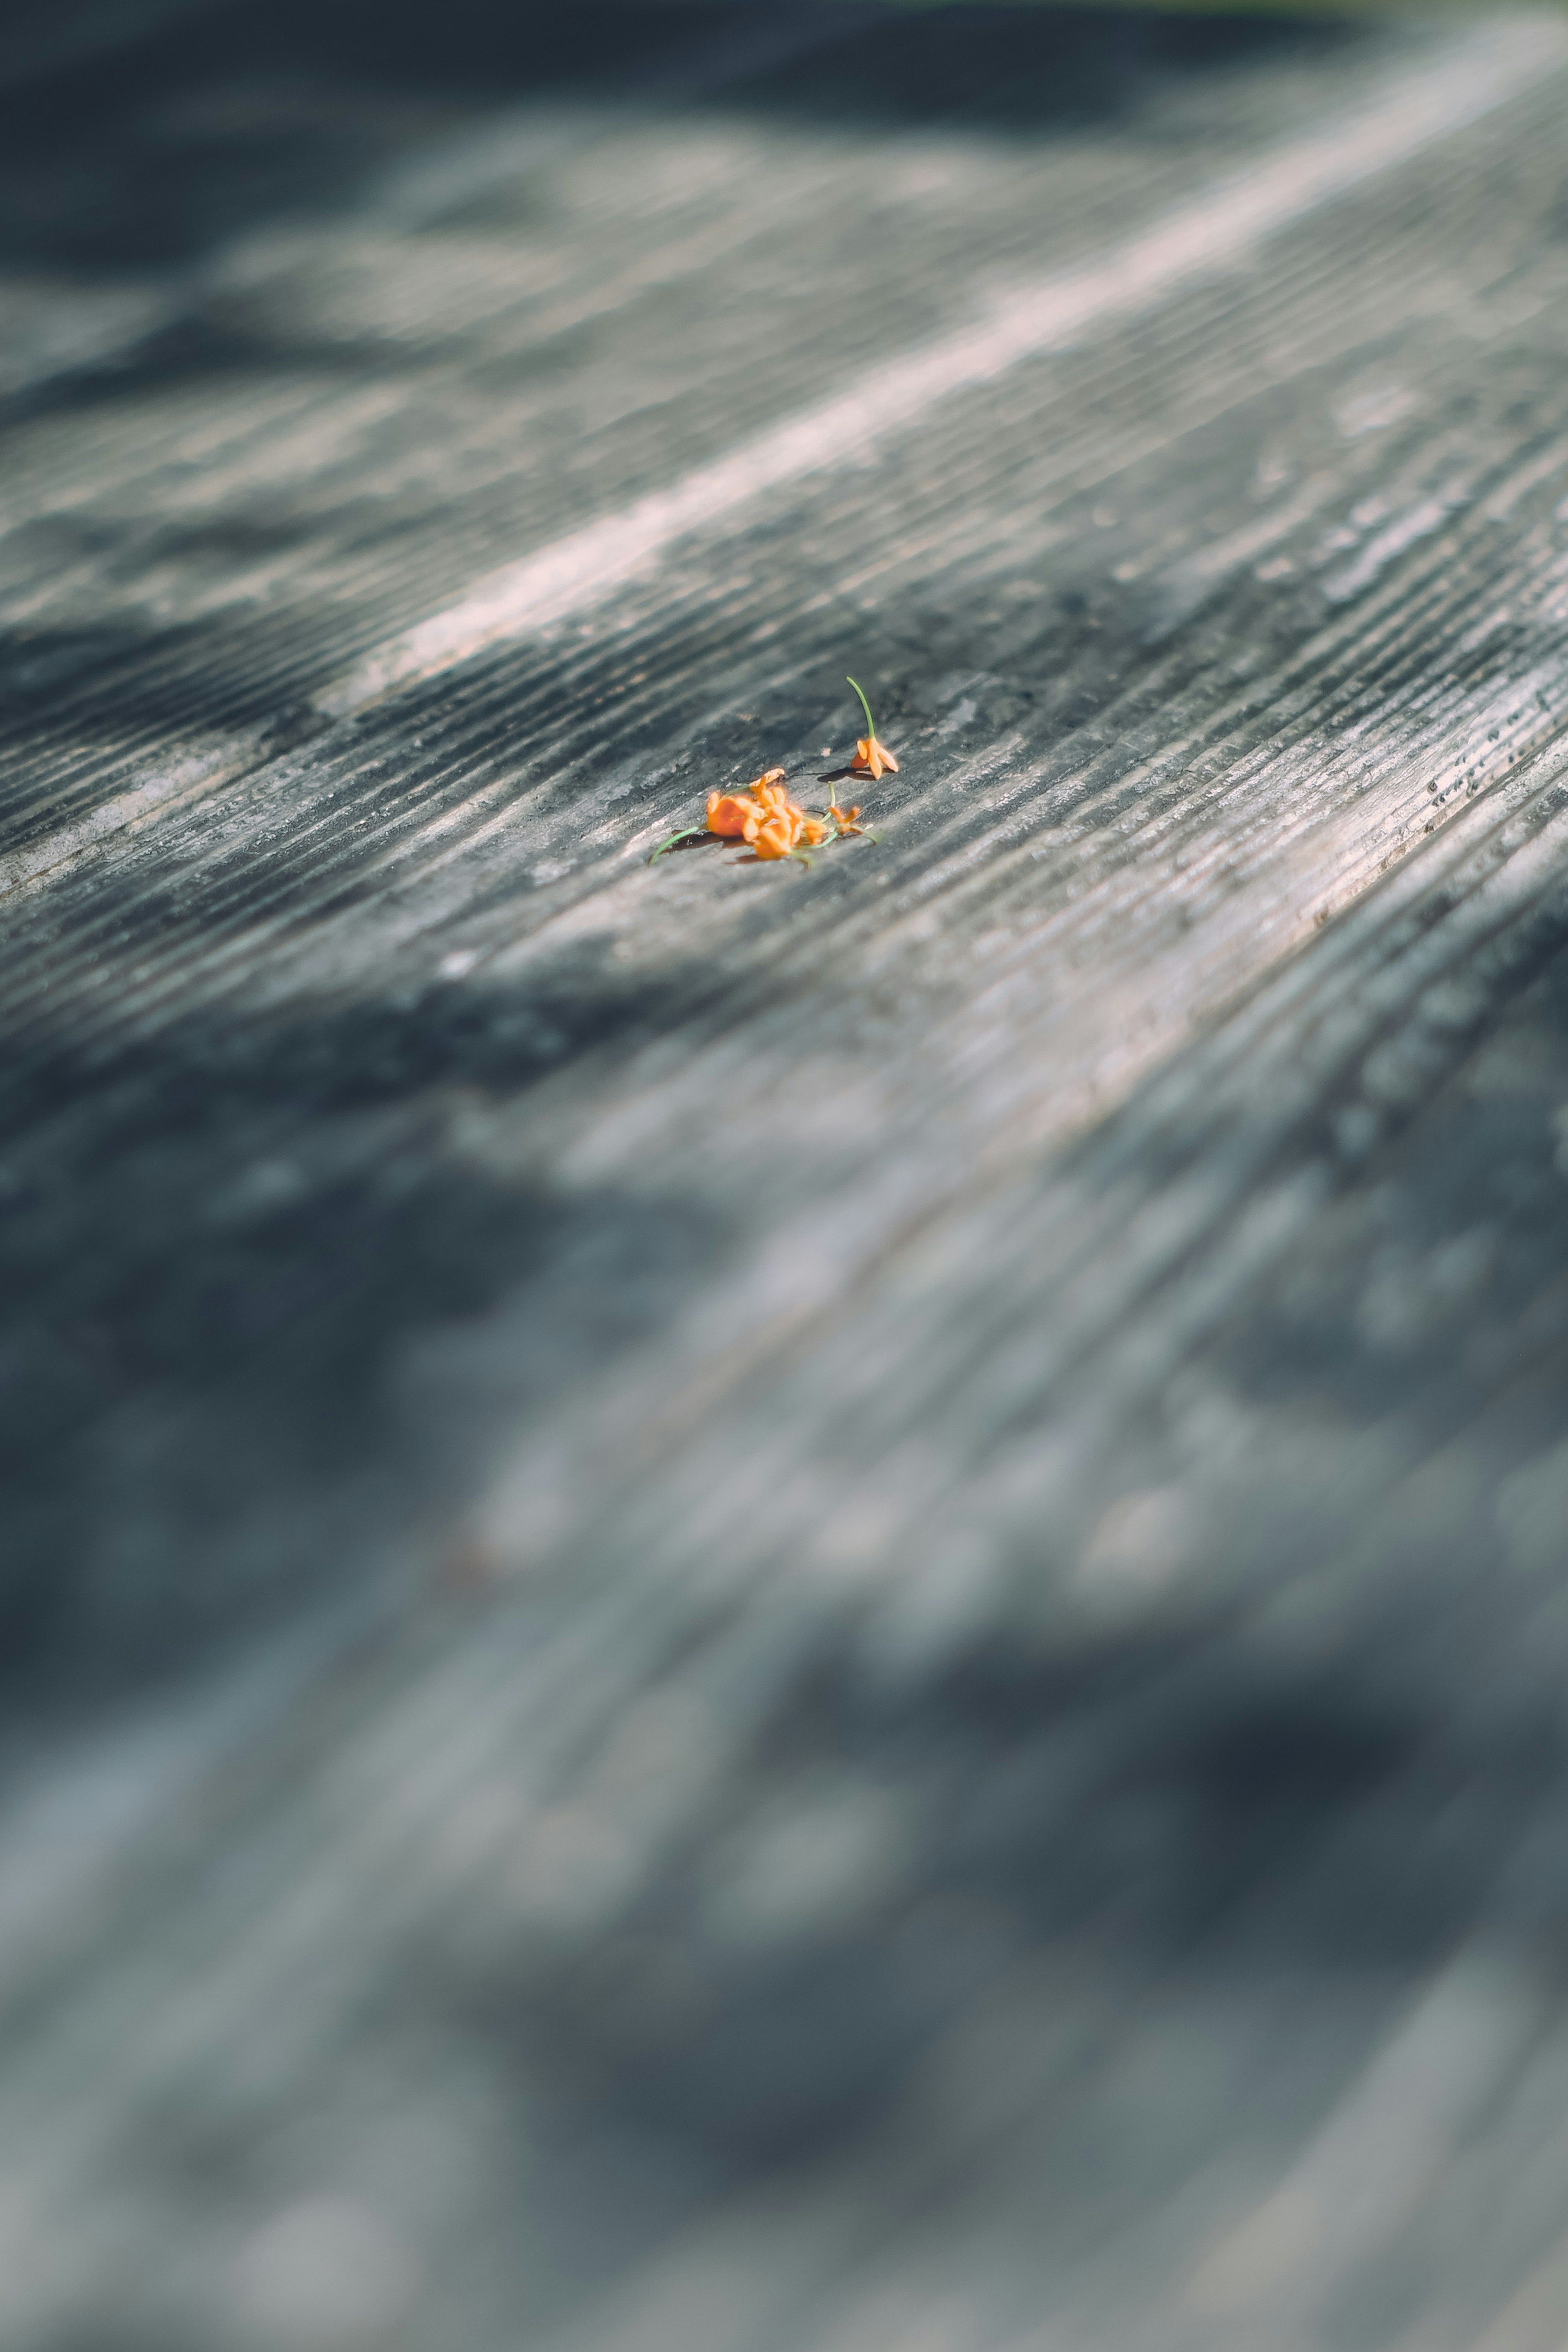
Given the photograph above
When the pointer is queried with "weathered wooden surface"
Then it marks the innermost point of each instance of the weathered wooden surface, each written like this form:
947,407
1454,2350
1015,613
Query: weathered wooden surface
757,1609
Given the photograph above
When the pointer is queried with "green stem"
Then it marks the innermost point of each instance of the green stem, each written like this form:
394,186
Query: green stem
870,722
691,833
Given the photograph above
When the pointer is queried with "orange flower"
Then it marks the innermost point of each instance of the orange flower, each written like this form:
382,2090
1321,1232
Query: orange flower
764,817
778,836
736,815
778,825
871,758
740,816
728,813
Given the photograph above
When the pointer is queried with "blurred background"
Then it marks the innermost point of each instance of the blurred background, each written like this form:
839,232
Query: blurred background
748,1609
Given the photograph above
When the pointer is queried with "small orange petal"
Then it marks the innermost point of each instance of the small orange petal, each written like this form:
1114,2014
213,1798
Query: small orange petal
815,830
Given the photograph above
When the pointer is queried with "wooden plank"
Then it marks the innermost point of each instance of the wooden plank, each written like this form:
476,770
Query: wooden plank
803,1609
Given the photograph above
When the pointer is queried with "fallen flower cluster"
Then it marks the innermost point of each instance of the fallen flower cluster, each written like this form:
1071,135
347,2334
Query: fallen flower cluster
772,824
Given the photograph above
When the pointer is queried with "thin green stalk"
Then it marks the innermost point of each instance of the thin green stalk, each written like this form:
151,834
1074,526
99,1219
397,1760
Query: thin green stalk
870,722
691,833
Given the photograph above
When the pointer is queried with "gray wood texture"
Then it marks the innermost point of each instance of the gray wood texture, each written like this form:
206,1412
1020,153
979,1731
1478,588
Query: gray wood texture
750,1609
